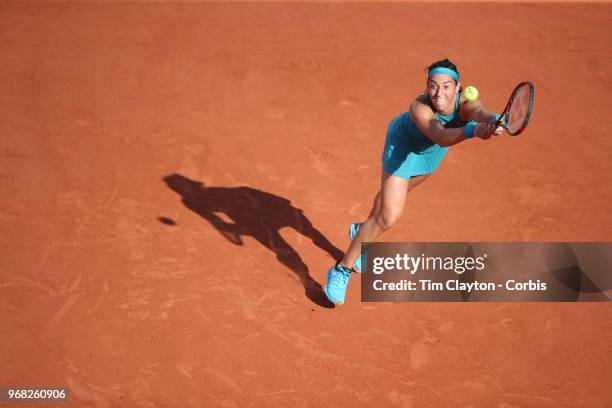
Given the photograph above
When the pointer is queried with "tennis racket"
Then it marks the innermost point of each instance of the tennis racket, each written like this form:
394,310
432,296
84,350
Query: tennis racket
518,110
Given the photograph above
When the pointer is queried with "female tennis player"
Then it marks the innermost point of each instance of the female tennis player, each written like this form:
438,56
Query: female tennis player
416,142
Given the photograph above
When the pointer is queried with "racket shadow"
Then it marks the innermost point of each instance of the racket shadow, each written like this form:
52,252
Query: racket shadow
260,215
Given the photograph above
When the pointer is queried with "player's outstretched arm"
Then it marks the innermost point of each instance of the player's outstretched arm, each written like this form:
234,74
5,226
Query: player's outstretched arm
475,110
426,121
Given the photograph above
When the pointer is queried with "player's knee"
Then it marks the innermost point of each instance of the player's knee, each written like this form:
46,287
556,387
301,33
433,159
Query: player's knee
386,219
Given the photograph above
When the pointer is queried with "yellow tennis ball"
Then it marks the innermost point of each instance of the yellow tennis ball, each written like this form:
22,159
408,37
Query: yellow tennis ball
470,93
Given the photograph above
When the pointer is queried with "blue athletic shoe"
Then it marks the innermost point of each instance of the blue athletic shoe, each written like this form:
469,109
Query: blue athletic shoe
352,233
337,280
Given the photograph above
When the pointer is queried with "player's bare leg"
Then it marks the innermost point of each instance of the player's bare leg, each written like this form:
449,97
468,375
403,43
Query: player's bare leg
387,208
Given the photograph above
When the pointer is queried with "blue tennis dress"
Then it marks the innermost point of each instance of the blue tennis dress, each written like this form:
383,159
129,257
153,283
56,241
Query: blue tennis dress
408,152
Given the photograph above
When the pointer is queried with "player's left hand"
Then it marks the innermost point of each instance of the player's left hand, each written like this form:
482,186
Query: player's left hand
493,130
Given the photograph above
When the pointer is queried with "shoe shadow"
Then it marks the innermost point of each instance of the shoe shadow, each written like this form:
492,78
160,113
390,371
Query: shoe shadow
260,215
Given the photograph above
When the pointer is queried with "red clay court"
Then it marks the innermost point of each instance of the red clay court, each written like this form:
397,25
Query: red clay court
177,177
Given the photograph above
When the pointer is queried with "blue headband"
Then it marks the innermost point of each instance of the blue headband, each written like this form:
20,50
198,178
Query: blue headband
442,70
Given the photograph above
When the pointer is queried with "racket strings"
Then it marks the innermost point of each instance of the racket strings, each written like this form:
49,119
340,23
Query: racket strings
519,109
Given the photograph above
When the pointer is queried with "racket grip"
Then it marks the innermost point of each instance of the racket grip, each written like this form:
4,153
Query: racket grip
497,119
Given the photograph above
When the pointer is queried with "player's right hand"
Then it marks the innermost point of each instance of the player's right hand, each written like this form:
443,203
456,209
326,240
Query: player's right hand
488,129
483,130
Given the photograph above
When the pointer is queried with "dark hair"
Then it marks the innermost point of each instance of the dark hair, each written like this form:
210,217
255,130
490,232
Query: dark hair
445,63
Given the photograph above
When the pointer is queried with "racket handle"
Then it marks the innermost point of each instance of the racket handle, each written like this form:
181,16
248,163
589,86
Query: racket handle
498,119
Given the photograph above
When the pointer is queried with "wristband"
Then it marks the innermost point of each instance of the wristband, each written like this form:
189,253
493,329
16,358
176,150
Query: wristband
468,130
495,116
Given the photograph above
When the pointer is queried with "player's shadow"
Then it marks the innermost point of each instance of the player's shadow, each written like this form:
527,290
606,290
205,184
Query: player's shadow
260,215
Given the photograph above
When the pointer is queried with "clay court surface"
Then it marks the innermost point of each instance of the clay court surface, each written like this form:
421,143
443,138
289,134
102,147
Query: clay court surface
177,177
